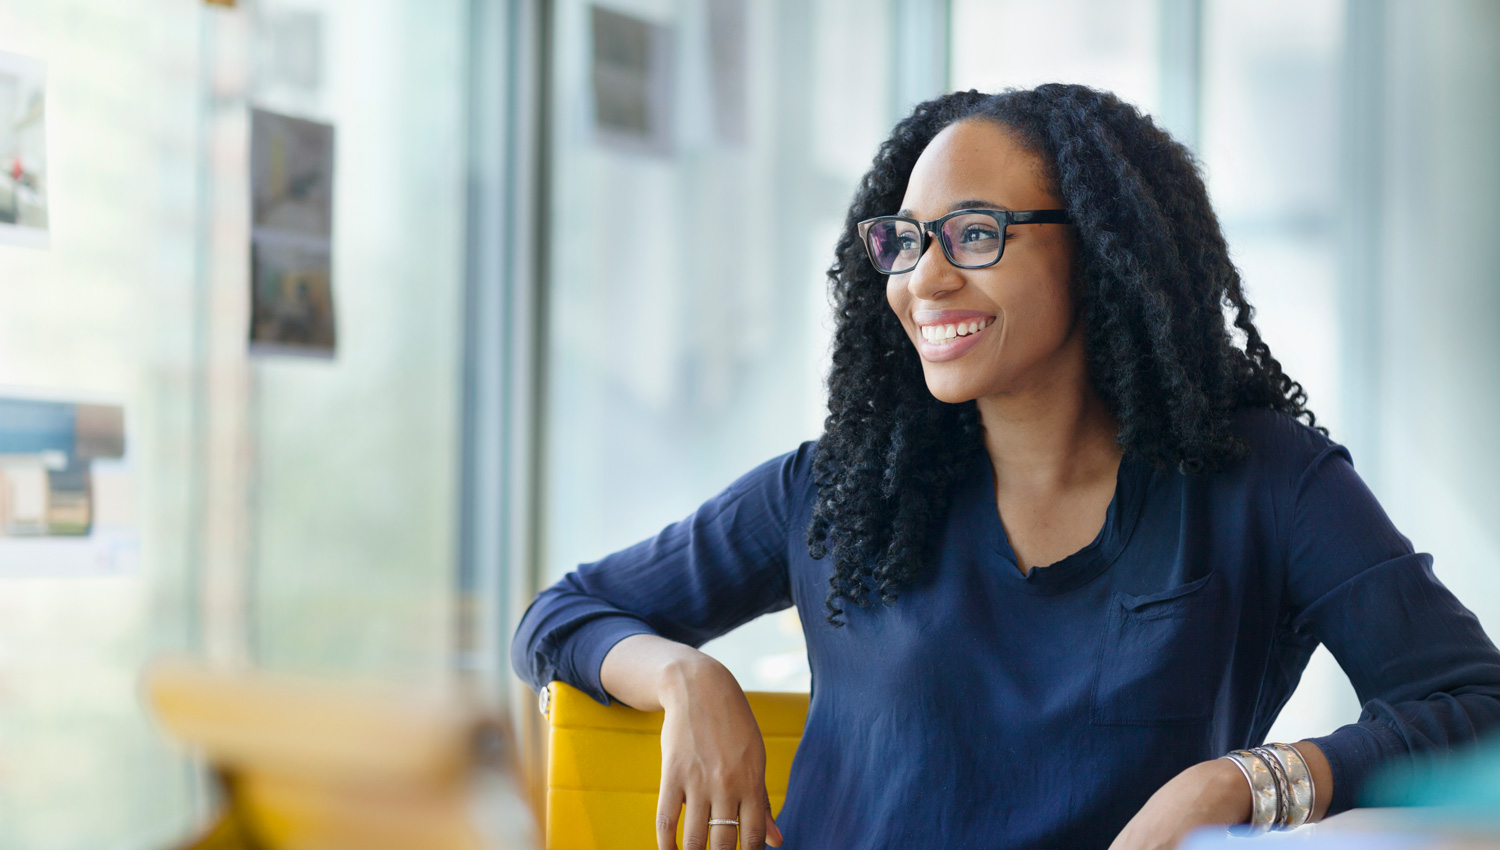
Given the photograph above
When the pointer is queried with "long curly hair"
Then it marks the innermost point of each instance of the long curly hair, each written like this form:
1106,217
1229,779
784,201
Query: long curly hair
1152,284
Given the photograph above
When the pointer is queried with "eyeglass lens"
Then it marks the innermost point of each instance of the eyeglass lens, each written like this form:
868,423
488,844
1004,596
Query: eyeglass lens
894,244
972,239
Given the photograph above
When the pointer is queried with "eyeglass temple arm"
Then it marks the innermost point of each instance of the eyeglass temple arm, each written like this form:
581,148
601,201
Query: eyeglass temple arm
1039,217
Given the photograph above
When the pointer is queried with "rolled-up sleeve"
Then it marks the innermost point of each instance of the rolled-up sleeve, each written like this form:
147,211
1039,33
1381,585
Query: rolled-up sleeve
1426,674
721,567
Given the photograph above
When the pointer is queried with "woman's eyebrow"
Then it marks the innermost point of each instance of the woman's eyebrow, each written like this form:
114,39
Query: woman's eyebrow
973,204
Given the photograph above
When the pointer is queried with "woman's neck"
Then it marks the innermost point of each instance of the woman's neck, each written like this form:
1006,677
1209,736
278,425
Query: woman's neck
1050,438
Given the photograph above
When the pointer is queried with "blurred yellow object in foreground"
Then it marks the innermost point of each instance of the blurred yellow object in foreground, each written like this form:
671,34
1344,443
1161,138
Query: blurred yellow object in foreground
312,765
604,766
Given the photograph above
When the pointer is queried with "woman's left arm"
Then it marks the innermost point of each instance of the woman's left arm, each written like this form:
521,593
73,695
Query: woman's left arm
1426,674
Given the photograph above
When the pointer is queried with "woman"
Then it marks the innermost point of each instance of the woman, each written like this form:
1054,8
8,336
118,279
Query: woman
1063,544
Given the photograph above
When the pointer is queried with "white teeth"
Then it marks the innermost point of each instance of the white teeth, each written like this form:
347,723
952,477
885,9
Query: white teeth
938,334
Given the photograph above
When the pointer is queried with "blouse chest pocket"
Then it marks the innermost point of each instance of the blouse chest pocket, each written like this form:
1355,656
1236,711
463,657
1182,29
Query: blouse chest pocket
1160,659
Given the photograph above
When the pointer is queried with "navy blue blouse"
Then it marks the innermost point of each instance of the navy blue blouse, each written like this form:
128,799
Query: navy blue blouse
985,708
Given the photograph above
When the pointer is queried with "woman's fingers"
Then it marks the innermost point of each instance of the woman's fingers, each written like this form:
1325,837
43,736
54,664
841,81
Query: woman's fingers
668,810
695,832
721,835
773,832
754,815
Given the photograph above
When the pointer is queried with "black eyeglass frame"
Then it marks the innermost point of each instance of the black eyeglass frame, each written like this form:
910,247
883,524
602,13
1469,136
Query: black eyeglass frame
929,229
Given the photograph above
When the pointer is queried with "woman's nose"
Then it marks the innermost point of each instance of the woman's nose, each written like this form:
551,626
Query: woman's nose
934,276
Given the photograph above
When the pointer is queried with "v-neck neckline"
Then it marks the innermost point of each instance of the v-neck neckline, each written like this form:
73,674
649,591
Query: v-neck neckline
1087,563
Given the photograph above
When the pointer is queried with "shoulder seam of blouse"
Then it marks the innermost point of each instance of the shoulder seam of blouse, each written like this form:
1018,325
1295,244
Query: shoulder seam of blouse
1317,460
1330,449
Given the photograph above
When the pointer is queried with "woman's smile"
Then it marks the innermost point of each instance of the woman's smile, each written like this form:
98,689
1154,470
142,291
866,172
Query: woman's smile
949,334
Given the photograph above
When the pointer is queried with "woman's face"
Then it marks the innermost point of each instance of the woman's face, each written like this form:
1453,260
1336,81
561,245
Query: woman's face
1023,303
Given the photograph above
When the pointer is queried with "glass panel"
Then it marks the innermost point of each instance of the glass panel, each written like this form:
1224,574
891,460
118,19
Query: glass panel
1436,351
699,184
1270,142
352,499
1001,44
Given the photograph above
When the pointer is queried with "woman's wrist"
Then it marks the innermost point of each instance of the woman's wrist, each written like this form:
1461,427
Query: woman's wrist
1288,784
1322,778
1231,791
687,673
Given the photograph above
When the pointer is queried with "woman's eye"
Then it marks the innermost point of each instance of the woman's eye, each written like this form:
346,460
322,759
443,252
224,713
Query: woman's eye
977,234
906,243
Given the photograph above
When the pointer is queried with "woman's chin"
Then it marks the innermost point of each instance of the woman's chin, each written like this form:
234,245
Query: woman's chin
945,389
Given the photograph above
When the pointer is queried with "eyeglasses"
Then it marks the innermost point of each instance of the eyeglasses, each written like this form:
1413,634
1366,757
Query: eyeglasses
971,239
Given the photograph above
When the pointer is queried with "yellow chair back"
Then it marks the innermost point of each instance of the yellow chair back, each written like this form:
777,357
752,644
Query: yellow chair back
604,766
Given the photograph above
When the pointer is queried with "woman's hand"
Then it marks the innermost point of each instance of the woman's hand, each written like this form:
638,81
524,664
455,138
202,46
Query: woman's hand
1210,793
713,762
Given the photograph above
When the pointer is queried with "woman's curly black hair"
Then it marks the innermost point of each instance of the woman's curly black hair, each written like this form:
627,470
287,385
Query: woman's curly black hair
1152,283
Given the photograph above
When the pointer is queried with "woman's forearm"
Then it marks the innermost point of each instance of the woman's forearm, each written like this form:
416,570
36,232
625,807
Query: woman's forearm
649,673
1211,793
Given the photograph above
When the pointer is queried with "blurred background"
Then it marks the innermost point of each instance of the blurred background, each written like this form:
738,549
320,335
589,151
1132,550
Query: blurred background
550,342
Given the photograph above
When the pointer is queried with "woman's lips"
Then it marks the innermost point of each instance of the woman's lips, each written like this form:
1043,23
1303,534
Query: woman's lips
933,343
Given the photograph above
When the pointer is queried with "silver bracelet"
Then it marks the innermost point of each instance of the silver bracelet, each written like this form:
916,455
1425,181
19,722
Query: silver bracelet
1299,782
1264,802
1283,792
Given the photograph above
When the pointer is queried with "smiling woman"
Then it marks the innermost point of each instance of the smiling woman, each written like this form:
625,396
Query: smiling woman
1062,546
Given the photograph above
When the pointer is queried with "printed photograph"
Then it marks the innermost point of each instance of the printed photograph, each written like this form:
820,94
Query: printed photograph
632,82
291,239
23,151
291,298
291,174
47,454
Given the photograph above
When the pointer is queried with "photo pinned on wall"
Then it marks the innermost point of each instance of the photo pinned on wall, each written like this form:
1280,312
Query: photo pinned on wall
291,236
728,24
23,151
67,493
632,82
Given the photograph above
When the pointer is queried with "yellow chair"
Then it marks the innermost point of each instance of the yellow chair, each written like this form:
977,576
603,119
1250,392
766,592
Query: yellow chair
604,766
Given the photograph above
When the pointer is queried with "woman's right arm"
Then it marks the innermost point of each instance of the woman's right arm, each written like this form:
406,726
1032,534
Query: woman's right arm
627,626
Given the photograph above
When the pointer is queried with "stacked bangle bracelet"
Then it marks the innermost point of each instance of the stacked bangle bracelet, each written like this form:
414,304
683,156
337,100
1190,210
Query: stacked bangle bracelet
1281,786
